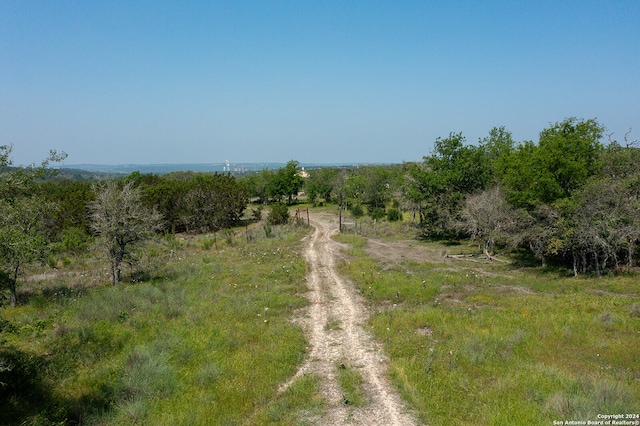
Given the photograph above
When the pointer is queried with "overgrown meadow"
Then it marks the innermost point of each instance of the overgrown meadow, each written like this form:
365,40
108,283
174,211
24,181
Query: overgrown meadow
200,335
483,343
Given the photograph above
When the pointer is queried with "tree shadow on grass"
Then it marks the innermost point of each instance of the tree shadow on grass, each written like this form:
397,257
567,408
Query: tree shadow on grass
24,396
27,399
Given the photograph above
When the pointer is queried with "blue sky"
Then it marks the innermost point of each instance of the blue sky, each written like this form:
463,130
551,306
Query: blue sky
146,82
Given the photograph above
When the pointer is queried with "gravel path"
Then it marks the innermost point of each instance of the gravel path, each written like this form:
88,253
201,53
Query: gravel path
334,326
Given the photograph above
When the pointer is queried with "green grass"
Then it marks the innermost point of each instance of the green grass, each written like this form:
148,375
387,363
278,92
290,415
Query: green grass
202,335
477,344
204,338
350,381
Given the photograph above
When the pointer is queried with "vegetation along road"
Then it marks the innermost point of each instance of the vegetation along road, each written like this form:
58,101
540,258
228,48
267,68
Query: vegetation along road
342,353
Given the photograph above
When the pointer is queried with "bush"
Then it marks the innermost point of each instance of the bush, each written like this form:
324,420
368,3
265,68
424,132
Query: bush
394,215
268,231
74,240
377,213
357,211
278,215
257,213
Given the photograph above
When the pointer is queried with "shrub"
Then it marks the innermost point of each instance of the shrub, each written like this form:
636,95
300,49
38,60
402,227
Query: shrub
268,231
74,240
229,237
394,215
279,214
257,213
207,243
377,213
357,211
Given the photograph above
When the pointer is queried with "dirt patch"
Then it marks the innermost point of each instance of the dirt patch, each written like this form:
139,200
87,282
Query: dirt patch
425,331
393,253
334,325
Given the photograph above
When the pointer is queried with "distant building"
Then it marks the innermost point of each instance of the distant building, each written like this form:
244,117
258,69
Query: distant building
302,173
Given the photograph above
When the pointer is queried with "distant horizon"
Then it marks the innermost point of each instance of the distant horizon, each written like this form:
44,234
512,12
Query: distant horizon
164,168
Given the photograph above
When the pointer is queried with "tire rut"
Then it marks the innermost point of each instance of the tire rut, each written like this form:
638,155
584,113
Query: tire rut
334,301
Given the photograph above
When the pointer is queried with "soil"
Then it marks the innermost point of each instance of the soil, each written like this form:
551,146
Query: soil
334,322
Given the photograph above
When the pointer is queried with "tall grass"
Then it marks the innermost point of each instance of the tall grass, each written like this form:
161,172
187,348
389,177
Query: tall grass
481,344
204,338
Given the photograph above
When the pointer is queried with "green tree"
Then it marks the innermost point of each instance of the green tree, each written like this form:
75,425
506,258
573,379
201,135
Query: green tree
121,221
353,190
212,202
258,185
320,183
72,198
22,239
603,224
377,186
567,154
497,147
165,194
22,217
439,185
286,182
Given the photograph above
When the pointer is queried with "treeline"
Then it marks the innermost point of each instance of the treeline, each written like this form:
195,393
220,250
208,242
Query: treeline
187,201
43,218
569,198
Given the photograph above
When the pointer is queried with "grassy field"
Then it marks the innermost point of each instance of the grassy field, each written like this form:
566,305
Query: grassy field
203,336
201,333
478,343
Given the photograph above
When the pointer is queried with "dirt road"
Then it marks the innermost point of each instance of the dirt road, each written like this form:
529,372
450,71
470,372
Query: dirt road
334,325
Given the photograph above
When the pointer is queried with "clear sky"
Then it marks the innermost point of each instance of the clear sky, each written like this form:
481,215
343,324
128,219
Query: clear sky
116,82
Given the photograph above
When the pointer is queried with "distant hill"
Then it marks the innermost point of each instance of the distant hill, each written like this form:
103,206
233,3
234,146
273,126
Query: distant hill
235,168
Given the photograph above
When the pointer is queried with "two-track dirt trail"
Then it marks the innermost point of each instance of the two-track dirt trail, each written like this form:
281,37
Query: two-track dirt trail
334,324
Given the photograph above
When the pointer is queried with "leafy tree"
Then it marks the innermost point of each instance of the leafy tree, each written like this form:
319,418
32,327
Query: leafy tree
439,185
166,194
378,213
258,184
605,218
121,221
462,169
353,189
497,147
377,187
540,229
321,183
212,202
567,154
22,217
287,182
22,238
72,198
